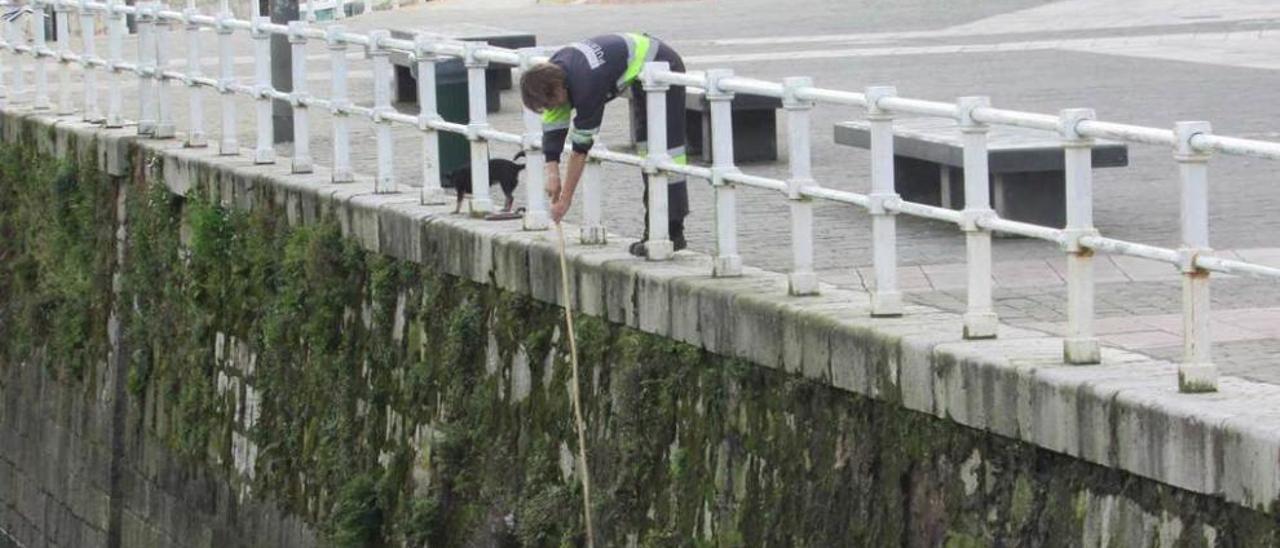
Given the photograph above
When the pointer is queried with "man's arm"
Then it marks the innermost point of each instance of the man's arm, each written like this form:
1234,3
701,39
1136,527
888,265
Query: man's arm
560,204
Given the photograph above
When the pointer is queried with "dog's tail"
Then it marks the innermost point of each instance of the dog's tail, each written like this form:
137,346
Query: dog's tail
519,155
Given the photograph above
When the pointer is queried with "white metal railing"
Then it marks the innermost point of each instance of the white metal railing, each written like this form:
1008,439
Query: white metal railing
1192,144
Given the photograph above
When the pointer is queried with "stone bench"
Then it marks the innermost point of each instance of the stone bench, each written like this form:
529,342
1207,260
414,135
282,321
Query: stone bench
755,126
1026,166
497,76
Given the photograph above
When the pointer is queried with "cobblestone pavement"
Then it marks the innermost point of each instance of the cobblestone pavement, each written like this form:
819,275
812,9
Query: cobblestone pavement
1150,62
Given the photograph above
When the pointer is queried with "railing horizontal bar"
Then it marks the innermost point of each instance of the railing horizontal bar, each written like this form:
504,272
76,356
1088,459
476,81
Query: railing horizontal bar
316,102
500,136
1121,247
924,210
401,118
1236,146
1022,229
398,44
757,181
1006,117
447,127
239,24
353,38
500,55
277,94
687,79
1228,266
205,81
835,195
833,96
616,157
1125,132
686,169
918,106
752,86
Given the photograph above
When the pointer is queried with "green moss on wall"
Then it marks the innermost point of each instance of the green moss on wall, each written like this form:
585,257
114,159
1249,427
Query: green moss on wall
400,406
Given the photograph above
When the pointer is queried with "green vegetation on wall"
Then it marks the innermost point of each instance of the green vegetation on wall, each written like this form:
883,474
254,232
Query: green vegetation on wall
399,406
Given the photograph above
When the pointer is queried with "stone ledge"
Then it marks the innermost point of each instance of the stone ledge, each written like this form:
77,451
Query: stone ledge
1125,414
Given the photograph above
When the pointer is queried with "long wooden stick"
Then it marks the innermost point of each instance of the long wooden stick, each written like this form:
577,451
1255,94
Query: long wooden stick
577,398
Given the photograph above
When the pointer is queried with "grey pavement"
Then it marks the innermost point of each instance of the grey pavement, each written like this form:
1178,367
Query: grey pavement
1151,62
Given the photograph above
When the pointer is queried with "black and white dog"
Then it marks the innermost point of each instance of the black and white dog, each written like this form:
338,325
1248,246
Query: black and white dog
501,172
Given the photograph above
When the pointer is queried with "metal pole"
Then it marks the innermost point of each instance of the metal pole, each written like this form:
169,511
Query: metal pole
342,172
727,262
802,280
535,214
593,231
228,144
195,95
92,113
41,52
1196,373
659,246
146,64
12,61
384,181
1080,346
264,153
980,319
886,300
282,12
432,191
115,56
14,38
478,107
301,122
63,37
164,105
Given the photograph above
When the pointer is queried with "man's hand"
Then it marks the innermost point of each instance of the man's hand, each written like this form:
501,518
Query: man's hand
559,208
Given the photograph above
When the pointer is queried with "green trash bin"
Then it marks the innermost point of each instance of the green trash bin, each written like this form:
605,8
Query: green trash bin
451,103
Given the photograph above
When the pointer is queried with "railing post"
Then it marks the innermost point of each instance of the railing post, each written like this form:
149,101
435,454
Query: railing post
1080,347
384,180
802,280
535,213
264,150
164,105
478,107
228,143
12,61
1196,373
593,231
886,299
980,319
13,37
659,246
338,103
60,13
195,95
432,191
727,263
146,64
301,122
87,31
41,52
115,56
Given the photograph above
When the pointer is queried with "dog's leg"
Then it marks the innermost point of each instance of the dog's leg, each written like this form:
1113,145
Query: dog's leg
458,208
511,200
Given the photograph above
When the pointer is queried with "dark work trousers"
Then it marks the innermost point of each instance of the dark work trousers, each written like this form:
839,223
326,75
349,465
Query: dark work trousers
677,189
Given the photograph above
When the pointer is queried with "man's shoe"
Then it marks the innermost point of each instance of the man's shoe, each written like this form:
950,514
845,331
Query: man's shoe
638,248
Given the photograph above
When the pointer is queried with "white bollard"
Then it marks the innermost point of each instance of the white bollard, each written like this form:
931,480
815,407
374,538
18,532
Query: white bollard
727,263
432,191
536,216
801,280
1196,373
593,231
477,109
980,321
1080,346
146,63
342,172
60,14
115,56
886,300
12,61
14,38
264,150
228,143
164,95
659,247
384,180
195,95
92,113
302,162
41,52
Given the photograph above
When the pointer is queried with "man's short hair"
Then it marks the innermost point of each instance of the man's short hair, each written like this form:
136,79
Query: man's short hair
541,86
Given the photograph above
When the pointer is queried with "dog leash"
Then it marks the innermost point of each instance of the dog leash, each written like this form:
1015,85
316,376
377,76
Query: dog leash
577,398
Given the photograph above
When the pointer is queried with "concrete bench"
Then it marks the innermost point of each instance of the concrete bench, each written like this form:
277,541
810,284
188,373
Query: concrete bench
497,76
1026,166
755,126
